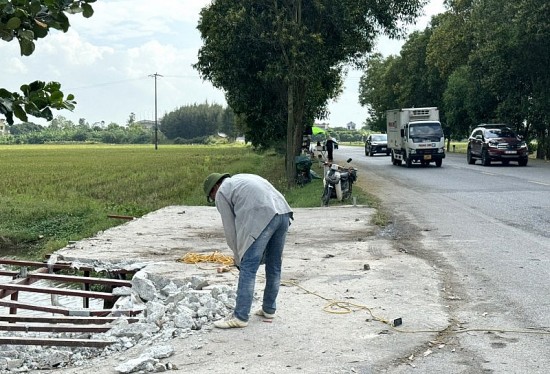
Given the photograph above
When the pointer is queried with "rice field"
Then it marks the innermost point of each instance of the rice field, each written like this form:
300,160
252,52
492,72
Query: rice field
52,194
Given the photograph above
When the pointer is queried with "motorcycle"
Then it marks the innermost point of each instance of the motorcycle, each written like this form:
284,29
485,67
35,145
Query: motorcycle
338,182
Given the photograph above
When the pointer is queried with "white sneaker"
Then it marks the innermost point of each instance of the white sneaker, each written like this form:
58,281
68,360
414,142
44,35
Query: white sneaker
230,323
260,312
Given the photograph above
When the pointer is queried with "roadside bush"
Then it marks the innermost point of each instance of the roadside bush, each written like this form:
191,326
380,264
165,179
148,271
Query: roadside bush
197,140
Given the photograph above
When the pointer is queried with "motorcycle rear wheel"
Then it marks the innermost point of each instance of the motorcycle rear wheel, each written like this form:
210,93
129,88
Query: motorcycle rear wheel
326,195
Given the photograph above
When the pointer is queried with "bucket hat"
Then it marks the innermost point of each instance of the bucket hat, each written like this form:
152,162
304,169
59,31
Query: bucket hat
211,181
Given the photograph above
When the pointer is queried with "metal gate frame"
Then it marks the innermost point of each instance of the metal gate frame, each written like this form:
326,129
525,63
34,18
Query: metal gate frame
71,320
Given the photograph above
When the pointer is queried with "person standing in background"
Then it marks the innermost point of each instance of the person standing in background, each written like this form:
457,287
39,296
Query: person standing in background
330,148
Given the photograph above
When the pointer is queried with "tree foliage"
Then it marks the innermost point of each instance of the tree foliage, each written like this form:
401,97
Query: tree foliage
27,21
400,81
490,59
379,88
189,122
62,130
281,61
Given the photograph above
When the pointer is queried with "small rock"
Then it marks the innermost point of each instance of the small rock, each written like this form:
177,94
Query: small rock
137,364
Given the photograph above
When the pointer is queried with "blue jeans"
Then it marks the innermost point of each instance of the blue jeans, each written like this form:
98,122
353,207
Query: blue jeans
268,247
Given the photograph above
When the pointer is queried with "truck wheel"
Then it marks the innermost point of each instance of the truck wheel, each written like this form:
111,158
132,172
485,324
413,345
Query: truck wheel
485,159
469,157
409,161
438,163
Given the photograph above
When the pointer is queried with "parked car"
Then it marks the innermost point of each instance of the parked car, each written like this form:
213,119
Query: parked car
496,143
376,143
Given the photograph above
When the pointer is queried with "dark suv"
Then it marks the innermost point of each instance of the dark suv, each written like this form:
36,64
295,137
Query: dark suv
376,143
496,143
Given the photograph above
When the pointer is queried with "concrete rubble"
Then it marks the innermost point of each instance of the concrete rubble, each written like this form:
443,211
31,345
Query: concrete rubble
169,311
340,254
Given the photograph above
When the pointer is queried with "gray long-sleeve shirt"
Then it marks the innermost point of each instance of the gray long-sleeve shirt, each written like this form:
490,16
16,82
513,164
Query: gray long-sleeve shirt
247,203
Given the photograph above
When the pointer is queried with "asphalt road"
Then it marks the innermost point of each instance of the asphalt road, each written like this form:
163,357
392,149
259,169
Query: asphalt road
487,229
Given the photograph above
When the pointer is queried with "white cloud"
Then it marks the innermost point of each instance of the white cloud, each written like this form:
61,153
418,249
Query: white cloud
127,20
76,50
107,60
14,66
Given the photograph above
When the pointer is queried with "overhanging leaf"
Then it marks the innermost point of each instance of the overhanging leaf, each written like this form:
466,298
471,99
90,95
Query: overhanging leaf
20,113
47,114
88,10
27,47
35,6
5,94
56,96
13,23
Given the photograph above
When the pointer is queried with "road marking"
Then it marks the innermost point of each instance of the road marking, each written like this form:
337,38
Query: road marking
541,183
487,173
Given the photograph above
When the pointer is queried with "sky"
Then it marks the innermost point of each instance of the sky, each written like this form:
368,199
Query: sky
109,61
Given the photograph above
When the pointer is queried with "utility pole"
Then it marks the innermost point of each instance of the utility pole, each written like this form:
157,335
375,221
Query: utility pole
156,122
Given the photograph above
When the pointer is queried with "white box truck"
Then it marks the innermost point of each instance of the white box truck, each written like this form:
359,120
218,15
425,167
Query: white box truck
415,135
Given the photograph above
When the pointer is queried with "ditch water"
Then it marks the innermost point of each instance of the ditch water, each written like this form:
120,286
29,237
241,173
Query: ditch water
10,250
70,302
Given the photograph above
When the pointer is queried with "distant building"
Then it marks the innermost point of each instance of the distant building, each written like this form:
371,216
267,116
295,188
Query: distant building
351,126
4,128
322,125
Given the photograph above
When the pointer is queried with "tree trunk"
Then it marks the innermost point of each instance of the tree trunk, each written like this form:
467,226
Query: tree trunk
295,108
290,130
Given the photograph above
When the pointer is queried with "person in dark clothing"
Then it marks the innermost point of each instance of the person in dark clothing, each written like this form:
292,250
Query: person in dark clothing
330,147
306,139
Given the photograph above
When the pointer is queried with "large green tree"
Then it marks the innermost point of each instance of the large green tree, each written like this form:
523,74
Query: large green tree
27,21
511,59
451,40
401,81
379,89
420,83
281,61
194,121
459,102
491,61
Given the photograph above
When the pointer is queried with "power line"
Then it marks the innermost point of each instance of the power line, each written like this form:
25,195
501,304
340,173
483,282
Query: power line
106,83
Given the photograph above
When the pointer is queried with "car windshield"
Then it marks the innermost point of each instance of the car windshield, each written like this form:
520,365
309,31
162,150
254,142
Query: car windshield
423,130
500,133
379,138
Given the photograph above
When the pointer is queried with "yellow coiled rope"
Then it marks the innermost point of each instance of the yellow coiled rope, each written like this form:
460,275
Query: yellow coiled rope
214,257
